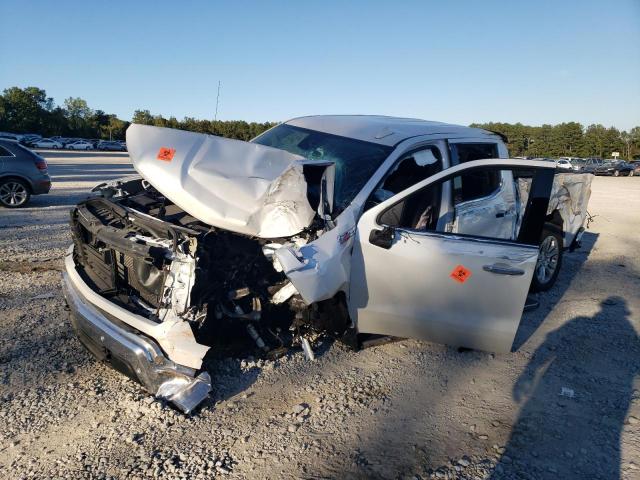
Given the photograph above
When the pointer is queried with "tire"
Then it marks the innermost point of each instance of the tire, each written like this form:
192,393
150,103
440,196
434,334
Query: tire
14,193
549,259
631,173
616,173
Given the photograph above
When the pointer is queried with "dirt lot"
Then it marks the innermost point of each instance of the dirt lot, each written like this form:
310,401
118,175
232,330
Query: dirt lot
565,404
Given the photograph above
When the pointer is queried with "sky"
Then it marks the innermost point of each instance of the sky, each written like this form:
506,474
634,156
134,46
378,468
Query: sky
456,61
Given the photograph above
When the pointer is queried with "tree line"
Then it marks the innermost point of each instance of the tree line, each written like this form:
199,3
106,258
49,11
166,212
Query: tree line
29,110
238,129
569,139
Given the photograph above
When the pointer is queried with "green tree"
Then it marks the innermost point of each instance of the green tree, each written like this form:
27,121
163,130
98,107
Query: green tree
567,139
24,110
634,135
79,116
114,128
142,117
612,142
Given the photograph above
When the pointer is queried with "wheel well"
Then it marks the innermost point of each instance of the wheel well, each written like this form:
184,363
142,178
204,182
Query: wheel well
555,219
18,177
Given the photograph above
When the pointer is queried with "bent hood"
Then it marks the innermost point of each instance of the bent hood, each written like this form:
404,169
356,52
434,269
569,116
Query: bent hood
239,186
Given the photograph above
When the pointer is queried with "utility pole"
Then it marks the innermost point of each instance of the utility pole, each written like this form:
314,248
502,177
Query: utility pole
215,119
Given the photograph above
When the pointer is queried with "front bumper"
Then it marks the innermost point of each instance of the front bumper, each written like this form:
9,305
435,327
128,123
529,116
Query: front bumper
132,353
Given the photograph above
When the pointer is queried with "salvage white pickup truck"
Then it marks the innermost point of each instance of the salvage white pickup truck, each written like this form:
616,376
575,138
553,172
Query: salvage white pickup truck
337,225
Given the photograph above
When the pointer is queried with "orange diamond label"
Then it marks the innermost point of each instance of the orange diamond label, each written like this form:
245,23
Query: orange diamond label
460,274
166,154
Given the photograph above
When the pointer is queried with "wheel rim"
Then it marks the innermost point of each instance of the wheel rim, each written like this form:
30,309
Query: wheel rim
547,259
13,193
616,173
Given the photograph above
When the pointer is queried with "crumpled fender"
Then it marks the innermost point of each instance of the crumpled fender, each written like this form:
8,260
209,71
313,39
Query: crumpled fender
321,268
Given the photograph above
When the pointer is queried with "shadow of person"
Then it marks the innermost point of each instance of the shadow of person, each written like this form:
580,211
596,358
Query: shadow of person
576,391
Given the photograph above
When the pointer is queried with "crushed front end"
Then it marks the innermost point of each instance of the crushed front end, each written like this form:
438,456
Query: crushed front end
152,290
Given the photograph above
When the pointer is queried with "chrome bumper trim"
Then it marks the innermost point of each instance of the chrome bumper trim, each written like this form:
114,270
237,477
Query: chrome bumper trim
133,354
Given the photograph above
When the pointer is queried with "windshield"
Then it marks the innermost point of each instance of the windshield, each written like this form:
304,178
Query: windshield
355,160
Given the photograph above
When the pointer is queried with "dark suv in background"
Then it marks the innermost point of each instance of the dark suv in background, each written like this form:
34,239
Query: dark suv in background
589,165
22,173
615,168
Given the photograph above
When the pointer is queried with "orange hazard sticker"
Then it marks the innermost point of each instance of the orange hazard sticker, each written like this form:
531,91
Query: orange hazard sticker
166,154
460,274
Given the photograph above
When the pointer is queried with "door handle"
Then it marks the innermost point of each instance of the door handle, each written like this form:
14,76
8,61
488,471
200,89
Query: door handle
500,214
501,269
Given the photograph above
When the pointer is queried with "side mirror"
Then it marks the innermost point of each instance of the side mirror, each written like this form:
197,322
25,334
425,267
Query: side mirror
382,238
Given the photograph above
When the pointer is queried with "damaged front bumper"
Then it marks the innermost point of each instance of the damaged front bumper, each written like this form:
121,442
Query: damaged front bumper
129,352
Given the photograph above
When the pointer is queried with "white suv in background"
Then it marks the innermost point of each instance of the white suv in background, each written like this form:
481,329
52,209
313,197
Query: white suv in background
565,163
80,145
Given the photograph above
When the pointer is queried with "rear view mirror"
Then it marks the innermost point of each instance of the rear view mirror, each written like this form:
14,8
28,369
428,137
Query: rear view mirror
382,238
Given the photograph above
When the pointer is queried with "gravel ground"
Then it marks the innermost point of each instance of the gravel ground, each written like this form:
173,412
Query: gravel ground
565,404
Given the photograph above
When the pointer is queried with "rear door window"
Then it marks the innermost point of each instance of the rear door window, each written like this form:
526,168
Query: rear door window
476,183
5,153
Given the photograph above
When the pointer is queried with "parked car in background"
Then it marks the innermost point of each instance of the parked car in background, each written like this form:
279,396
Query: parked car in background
29,138
80,145
589,165
69,141
22,173
46,143
569,163
565,164
110,145
10,136
615,168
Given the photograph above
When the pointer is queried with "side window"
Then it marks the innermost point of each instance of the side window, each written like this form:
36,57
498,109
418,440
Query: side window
5,153
476,183
497,216
418,211
466,152
409,170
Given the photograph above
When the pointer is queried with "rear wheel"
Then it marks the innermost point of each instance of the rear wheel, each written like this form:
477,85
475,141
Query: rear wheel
14,193
549,259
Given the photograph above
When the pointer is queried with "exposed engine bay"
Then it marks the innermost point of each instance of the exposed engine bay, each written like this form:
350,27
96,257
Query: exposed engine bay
142,252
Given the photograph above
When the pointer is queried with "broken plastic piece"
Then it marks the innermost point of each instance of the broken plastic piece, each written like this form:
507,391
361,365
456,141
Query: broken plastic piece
284,294
306,348
186,393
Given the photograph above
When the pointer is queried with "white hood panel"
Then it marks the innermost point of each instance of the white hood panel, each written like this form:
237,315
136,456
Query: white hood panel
239,186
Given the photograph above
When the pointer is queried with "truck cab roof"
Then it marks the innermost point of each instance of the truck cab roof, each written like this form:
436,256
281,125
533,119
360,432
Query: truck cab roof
382,129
